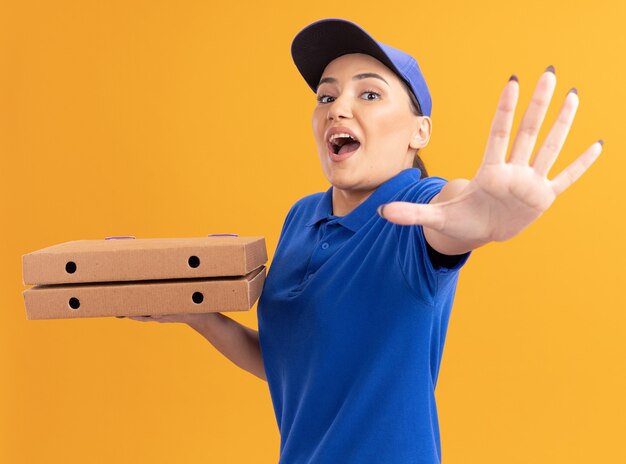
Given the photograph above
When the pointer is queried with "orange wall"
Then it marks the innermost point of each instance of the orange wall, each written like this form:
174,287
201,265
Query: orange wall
179,119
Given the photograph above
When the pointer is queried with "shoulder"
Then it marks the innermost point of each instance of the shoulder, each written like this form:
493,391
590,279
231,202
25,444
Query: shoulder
309,201
305,205
304,208
423,190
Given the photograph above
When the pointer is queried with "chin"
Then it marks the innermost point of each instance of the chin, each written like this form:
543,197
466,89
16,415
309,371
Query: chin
345,178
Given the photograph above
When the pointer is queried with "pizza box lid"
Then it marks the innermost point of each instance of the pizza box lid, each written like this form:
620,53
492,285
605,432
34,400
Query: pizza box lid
119,259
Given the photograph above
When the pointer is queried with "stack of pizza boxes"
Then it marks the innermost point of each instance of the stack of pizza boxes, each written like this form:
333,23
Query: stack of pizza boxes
126,276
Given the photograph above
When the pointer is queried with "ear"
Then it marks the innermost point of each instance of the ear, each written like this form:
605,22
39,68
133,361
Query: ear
421,135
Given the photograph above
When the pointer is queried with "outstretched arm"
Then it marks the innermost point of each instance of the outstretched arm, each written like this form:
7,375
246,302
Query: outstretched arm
505,196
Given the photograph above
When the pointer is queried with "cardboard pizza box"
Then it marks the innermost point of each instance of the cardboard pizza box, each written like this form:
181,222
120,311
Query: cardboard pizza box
143,259
124,276
140,298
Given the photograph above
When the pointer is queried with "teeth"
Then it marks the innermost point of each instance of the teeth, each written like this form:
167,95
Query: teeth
340,135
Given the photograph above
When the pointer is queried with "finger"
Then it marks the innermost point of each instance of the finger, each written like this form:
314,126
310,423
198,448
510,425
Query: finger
141,318
526,136
405,213
500,131
551,147
570,174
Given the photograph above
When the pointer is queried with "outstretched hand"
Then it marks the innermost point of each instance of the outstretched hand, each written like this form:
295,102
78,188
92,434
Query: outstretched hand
505,196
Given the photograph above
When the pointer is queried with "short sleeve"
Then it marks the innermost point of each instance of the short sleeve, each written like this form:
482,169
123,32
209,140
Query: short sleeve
286,222
424,268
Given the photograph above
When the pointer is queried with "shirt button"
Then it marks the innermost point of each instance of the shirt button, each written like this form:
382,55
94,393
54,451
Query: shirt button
324,245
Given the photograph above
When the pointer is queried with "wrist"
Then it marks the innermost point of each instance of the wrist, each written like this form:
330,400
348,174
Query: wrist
199,321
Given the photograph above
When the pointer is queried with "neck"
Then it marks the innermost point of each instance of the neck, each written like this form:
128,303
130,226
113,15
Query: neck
344,201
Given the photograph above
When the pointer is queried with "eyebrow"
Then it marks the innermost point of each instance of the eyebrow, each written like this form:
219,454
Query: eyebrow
332,80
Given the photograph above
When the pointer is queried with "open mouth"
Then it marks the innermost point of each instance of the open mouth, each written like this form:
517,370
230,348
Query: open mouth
343,143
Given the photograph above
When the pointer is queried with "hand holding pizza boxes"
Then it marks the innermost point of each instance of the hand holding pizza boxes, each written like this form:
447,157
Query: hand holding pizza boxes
124,276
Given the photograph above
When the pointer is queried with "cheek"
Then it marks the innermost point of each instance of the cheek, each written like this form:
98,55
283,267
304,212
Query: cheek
388,125
317,122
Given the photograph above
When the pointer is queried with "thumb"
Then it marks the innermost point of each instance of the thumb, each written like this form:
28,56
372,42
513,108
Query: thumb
406,213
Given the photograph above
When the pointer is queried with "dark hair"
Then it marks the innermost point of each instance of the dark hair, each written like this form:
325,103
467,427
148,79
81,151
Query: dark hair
417,111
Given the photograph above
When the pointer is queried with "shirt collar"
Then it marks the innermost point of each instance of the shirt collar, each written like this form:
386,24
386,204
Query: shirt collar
362,213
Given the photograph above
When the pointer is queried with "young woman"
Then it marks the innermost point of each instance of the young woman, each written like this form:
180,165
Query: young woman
354,312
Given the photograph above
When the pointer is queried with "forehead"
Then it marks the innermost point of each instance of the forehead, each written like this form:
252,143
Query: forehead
357,62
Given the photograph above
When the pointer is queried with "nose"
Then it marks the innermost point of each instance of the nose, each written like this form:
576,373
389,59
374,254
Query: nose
339,108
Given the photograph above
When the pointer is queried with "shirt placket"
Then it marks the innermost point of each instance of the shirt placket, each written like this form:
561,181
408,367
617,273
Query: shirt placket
325,247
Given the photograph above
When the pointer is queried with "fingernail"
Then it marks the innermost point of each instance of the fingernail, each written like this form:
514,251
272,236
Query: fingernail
379,210
601,142
513,78
573,90
550,69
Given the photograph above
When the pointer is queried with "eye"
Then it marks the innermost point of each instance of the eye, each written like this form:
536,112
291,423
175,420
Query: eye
371,95
324,98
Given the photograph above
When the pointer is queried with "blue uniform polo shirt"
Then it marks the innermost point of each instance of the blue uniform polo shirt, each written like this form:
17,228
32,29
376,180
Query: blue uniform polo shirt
352,323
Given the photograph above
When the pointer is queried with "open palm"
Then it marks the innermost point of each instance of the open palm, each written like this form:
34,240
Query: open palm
505,196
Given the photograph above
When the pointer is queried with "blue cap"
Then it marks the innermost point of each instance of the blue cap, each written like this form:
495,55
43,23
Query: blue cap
321,42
